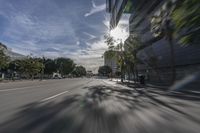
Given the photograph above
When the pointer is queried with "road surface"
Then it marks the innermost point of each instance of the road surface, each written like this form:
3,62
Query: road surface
94,106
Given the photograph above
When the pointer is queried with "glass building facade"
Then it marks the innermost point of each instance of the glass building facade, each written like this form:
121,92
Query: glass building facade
155,52
116,8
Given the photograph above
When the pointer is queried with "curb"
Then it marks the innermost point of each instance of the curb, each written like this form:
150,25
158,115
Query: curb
156,86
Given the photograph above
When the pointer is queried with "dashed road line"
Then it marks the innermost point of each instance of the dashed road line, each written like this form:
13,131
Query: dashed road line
54,96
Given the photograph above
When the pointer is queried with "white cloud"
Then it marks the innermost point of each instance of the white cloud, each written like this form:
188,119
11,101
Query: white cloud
95,9
23,24
78,43
91,58
90,35
38,31
25,31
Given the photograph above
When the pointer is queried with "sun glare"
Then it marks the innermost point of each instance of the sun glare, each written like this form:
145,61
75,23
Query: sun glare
119,34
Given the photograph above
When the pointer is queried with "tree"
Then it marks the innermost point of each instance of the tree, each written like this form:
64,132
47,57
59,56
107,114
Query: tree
50,66
131,46
125,58
109,40
121,58
187,21
4,60
79,71
162,25
104,70
13,68
30,66
65,65
177,18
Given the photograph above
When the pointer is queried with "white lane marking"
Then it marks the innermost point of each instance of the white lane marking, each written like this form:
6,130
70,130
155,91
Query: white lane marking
51,97
14,89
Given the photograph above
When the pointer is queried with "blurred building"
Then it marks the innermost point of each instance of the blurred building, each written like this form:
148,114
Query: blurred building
2,46
10,53
154,52
111,61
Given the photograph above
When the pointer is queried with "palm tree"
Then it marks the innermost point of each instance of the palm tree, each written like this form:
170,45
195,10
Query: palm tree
161,25
187,21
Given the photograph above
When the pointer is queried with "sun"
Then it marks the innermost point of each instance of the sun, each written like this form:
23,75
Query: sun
119,34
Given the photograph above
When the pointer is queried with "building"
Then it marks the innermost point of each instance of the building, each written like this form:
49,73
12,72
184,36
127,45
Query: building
2,46
10,53
154,52
111,61
12,56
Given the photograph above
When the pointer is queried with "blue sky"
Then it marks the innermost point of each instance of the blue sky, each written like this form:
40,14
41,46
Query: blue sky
54,28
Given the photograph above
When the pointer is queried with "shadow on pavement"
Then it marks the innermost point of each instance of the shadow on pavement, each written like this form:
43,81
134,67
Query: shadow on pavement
186,92
103,109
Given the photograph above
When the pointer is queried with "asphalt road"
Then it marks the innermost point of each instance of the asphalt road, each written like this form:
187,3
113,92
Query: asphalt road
94,106
17,94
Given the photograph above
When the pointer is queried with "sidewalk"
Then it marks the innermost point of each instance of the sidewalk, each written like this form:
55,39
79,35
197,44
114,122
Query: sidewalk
193,95
183,104
133,82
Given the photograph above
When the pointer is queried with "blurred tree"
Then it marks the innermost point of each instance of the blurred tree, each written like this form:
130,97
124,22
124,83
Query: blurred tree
50,66
79,71
13,68
131,46
179,18
104,70
30,66
109,40
121,58
162,25
186,16
4,60
64,65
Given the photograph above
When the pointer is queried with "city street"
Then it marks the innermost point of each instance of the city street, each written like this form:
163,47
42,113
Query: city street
99,66
84,105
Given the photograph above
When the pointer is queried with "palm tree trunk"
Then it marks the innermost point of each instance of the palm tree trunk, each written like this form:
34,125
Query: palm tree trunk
129,73
122,73
136,72
172,60
112,70
169,36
